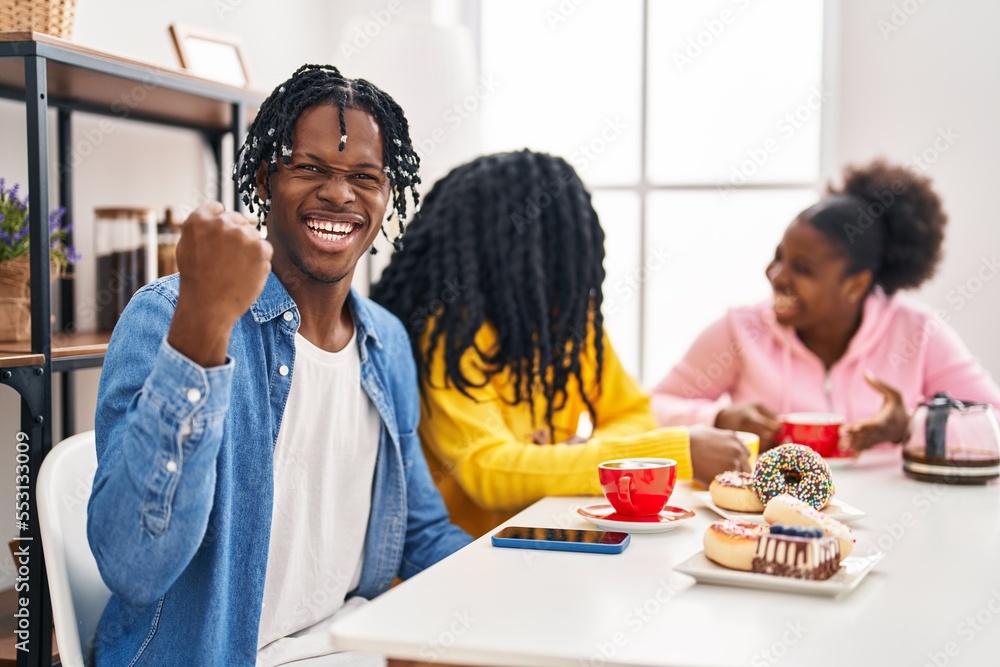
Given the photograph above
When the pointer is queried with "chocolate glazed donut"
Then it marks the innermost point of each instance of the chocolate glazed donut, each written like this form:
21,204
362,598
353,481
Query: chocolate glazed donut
795,470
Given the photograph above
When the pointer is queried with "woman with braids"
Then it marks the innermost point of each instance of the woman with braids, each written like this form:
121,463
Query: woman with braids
835,336
499,283
258,472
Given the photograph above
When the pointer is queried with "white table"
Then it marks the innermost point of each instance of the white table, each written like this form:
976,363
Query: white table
933,600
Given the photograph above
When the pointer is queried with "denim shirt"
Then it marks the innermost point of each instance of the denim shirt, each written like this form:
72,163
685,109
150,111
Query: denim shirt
180,514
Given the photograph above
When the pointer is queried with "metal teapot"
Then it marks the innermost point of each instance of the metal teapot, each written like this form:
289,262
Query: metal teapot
953,442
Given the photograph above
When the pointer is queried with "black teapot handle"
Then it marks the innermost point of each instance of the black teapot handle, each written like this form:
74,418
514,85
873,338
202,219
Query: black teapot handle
937,422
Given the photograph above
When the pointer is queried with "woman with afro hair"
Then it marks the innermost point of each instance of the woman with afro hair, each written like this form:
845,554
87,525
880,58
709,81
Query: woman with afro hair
498,282
835,337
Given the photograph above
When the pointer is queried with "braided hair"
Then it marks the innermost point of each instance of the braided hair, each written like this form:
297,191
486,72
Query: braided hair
511,240
886,219
309,86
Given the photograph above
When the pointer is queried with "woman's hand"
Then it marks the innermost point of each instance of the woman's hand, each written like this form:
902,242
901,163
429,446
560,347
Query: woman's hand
751,417
890,424
714,451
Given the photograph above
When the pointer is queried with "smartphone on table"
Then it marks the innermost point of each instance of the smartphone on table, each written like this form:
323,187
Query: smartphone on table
561,539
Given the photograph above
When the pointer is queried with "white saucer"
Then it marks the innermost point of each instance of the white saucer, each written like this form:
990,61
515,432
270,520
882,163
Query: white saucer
603,515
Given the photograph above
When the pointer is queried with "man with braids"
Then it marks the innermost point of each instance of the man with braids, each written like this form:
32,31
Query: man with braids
836,336
259,473
499,283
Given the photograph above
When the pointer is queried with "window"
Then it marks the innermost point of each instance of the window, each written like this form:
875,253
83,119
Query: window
697,127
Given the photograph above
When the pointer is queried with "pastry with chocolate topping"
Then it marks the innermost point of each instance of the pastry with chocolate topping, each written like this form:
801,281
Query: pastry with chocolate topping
798,553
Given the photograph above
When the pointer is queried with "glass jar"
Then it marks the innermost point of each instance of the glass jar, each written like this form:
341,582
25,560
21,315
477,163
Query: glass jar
125,247
168,233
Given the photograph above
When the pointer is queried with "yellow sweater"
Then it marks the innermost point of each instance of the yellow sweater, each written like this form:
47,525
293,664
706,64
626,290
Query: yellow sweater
482,452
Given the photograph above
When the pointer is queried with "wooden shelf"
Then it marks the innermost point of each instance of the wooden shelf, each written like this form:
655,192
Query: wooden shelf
104,83
68,348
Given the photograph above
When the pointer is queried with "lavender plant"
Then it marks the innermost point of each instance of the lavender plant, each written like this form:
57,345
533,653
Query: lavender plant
14,218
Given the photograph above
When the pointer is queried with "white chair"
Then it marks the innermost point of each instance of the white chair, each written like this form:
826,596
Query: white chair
76,589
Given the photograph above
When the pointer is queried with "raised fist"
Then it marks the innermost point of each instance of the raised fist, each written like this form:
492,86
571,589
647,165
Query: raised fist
223,264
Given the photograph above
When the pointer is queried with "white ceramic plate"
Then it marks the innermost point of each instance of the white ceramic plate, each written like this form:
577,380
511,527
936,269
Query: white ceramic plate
852,571
837,509
603,516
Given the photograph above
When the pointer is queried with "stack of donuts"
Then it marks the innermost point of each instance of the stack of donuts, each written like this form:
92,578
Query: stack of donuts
734,544
794,470
789,484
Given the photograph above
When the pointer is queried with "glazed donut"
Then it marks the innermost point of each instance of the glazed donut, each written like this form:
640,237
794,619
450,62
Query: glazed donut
733,490
787,510
795,470
732,544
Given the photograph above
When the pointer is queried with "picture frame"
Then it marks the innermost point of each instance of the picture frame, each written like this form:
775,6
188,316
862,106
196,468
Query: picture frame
211,55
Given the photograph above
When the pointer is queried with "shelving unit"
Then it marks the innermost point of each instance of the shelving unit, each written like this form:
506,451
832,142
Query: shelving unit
45,72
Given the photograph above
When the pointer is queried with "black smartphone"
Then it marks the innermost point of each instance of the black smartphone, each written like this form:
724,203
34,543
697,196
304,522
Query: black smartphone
561,539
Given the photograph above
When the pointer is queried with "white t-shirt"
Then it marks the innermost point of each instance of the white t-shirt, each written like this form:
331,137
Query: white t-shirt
324,463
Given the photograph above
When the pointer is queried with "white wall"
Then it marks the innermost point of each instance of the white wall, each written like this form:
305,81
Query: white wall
900,91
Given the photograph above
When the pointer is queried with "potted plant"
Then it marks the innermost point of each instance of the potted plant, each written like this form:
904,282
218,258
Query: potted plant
15,272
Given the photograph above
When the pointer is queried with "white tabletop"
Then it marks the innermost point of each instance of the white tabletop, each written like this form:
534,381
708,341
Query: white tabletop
933,600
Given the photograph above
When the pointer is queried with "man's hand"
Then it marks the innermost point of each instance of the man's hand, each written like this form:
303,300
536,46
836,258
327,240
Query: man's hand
890,424
751,417
224,266
714,451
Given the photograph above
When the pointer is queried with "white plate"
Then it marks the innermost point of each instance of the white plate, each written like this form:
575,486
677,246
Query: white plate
837,509
841,461
603,516
852,571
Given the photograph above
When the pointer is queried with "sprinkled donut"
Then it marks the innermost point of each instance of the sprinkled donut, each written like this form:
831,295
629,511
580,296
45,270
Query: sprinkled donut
733,490
795,470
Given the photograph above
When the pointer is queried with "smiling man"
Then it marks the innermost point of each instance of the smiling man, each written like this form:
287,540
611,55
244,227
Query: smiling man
259,471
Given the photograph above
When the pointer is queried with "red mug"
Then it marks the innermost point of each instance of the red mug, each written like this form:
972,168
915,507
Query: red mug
638,486
819,431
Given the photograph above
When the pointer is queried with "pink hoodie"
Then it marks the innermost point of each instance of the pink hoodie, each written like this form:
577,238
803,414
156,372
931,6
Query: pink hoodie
747,357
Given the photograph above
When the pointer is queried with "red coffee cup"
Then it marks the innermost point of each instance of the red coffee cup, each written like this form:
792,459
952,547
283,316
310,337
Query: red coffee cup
639,486
817,430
